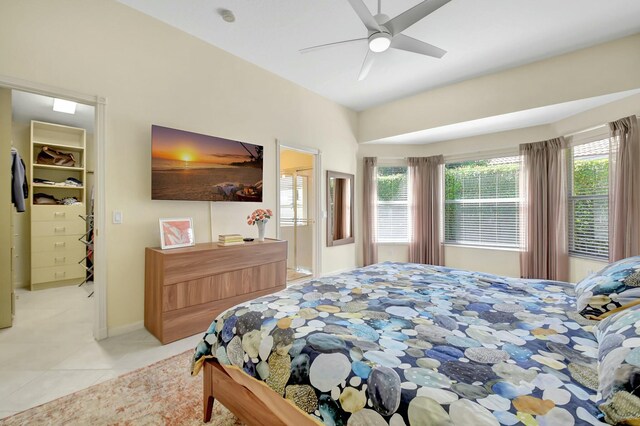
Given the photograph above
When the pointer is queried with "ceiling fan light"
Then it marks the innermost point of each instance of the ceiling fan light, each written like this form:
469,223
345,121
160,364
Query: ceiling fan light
379,42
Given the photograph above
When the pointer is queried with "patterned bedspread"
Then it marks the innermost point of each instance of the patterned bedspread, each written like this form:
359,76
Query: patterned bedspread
406,344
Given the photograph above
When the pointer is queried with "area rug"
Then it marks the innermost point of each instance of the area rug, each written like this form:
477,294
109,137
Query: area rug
161,394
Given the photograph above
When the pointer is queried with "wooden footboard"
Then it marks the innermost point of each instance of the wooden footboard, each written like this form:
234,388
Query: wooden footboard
268,409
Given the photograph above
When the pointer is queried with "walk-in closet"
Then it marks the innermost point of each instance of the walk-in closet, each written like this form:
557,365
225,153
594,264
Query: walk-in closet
50,232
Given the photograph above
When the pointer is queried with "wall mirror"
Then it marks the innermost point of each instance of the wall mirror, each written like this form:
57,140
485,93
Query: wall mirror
339,208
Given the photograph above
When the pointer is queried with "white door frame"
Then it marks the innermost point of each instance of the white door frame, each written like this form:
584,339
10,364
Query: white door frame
317,188
100,246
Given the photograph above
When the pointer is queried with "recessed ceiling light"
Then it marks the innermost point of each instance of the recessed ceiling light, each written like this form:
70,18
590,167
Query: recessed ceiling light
62,105
227,15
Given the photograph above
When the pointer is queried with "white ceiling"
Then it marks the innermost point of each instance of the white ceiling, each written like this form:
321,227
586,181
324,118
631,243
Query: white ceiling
30,106
481,37
500,123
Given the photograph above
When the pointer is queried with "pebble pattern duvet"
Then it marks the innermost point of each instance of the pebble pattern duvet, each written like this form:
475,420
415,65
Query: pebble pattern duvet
407,344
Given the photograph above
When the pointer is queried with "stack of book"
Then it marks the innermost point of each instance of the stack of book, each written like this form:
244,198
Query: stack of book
230,239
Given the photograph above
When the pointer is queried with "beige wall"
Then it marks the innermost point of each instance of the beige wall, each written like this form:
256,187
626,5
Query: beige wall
22,221
152,73
600,115
6,209
599,70
493,261
580,267
290,159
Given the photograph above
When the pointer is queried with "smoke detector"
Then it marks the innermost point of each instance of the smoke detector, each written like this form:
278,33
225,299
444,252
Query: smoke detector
227,15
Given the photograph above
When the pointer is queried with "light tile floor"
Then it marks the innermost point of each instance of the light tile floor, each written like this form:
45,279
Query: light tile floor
50,350
293,275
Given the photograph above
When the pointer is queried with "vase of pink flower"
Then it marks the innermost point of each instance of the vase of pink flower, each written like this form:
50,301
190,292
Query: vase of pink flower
260,217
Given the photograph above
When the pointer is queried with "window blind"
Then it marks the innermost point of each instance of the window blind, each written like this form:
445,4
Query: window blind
482,202
393,225
287,200
589,199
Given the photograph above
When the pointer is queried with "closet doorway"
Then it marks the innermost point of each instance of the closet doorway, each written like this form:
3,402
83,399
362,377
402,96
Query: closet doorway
298,209
54,276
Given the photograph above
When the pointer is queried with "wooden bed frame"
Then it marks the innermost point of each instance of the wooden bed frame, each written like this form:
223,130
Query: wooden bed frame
250,400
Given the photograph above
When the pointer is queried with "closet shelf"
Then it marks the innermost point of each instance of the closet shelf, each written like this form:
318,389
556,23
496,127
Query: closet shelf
44,185
59,145
50,166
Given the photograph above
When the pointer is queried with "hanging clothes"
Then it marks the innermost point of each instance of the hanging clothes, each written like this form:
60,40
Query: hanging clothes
19,186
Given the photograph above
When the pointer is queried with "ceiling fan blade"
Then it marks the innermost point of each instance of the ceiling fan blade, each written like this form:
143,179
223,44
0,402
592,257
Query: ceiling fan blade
365,15
366,65
410,44
413,15
337,43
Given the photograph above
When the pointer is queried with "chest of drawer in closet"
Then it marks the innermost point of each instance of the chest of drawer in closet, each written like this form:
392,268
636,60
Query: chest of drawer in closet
57,258
57,212
55,243
56,273
58,228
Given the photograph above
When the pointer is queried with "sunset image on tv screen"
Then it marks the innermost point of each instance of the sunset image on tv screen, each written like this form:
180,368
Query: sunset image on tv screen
191,166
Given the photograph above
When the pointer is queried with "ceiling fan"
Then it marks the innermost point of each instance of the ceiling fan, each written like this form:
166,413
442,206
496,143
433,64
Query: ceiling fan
385,33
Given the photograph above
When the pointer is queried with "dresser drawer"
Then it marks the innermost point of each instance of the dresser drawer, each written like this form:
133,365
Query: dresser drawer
59,258
57,212
57,273
59,243
47,229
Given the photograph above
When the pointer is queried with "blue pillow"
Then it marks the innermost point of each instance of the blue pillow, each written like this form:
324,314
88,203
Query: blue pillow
615,288
619,366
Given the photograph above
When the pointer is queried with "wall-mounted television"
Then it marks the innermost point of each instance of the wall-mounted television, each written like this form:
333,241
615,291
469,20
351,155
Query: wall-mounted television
191,166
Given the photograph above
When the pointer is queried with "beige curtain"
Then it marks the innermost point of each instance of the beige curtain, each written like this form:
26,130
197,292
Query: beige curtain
545,253
426,180
624,189
370,211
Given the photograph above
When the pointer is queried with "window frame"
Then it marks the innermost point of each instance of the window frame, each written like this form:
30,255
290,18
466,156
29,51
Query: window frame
518,246
393,164
578,140
289,222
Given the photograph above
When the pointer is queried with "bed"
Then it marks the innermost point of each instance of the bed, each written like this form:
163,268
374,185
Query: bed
405,344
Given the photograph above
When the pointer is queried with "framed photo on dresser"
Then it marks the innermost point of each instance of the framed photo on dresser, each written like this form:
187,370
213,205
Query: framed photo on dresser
176,232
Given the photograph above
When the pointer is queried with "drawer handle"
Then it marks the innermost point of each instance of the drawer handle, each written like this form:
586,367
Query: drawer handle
59,214
60,274
60,244
60,259
60,229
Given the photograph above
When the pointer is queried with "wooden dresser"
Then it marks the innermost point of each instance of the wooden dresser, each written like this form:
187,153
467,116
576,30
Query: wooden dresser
186,288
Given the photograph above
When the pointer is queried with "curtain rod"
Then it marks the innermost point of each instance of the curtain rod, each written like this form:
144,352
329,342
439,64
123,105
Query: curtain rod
592,128
585,130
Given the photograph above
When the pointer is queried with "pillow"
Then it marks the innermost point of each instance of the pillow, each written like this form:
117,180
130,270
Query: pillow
619,366
615,288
